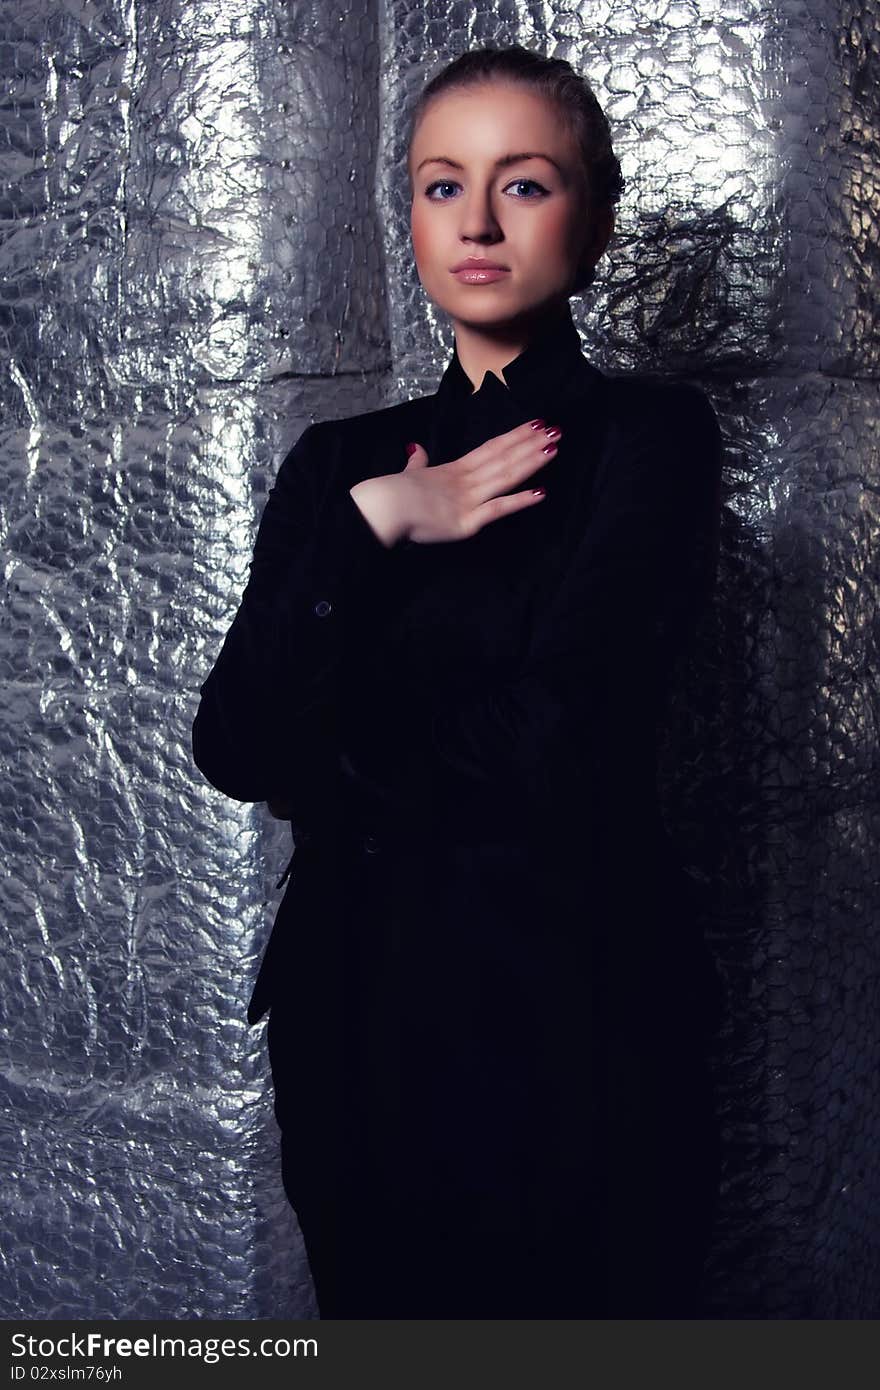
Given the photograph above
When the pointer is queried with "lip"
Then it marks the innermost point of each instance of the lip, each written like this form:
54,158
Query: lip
479,272
478,263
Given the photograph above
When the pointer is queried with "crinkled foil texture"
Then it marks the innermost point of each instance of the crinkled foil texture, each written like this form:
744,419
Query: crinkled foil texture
205,246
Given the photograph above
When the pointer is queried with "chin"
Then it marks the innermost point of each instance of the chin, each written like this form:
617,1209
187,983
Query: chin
503,309
484,301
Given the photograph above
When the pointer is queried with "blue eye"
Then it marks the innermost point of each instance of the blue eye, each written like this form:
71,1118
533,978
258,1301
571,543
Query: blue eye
533,183
440,183
450,183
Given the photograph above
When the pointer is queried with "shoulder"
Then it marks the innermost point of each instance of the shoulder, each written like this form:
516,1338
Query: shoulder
663,425
641,400
662,439
363,441
387,422
340,451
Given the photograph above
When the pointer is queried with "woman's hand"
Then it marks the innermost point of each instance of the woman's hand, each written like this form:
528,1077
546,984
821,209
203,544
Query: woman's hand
457,499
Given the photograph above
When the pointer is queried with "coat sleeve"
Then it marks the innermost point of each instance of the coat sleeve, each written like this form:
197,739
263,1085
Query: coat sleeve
264,724
601,651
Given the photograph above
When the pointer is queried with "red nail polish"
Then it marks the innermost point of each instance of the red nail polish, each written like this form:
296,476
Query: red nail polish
410,450
536,424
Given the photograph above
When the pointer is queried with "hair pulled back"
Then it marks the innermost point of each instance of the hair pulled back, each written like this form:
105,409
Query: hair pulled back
556,80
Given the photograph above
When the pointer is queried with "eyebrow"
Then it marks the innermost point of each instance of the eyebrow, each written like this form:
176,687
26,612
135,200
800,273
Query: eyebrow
499,163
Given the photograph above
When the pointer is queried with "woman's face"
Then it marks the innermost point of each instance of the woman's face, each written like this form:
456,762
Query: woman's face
471,199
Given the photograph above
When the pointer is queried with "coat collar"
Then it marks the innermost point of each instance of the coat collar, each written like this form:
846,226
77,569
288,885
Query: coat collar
549,373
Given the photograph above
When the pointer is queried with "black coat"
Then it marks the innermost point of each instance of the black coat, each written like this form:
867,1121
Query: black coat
488,993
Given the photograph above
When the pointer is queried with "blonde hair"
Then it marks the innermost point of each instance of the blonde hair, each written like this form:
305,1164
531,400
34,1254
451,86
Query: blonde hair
574,98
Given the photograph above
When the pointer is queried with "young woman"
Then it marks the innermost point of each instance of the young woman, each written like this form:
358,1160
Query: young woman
488,995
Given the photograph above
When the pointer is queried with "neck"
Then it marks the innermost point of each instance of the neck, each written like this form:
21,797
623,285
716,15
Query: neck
489,348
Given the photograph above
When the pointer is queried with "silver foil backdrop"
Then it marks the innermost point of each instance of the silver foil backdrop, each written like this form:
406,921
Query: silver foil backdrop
205,247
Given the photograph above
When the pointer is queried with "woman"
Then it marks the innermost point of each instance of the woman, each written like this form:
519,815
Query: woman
488,996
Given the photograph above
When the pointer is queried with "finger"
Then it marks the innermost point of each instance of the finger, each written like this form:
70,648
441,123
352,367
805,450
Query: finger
497,507
530,430
503,472
528,450
530,461
416,456
501,444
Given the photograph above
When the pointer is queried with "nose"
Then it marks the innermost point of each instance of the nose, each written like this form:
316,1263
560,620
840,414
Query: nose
479,222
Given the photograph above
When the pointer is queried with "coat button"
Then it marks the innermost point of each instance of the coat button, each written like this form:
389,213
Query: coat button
371,844
322,608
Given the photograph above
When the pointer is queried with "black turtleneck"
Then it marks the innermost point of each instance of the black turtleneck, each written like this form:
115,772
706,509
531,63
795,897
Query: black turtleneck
546,379
485,1004
487,994
551,365
493,688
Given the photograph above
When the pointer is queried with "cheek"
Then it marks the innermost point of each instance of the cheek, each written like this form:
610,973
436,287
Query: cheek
421,236
557,238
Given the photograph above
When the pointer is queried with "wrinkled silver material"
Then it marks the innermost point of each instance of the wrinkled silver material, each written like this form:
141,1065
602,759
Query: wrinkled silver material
206,247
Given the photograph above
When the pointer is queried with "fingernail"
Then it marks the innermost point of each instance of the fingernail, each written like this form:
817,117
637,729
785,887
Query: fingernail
536,424
549,449
539,491
410,450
